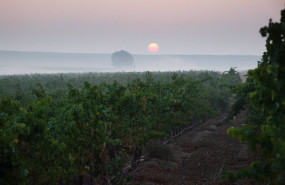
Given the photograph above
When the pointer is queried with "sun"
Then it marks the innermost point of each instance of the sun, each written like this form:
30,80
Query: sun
153,47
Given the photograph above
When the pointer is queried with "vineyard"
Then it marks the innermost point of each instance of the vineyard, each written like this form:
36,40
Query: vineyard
54,127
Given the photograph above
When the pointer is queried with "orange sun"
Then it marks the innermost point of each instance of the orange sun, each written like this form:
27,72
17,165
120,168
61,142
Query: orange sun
153,47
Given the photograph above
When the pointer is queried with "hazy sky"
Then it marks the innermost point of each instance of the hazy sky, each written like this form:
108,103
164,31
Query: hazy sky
105,26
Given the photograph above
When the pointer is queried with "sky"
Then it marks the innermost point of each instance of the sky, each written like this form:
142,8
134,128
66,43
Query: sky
227,27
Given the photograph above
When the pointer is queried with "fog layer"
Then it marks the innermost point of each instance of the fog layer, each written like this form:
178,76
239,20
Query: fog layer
12,62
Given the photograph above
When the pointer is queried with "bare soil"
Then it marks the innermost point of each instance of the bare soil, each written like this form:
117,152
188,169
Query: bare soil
200,156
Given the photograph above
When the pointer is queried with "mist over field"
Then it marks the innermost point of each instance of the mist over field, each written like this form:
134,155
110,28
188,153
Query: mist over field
142,92
16,62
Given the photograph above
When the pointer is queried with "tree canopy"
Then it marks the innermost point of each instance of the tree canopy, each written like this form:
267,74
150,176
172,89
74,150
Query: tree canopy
122,59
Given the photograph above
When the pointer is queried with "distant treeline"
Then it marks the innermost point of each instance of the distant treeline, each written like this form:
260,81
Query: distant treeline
20,86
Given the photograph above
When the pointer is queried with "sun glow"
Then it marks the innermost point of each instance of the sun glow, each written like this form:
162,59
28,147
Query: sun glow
153,47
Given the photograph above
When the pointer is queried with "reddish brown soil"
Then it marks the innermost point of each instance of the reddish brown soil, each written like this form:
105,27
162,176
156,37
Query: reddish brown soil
200,156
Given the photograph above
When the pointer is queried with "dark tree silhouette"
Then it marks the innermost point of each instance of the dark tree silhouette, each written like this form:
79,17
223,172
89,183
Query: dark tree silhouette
122,59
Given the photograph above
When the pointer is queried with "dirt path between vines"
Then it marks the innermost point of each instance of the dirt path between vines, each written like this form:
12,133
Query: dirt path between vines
199,157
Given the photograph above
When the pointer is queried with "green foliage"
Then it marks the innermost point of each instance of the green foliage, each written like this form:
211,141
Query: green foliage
49,135
25,140
264,93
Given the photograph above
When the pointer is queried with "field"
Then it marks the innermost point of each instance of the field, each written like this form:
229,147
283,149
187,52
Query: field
201,156
142,93
93,123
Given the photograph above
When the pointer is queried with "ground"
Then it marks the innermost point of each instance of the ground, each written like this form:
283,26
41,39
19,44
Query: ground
200,156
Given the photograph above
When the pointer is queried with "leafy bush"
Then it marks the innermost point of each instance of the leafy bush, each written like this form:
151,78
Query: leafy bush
266,103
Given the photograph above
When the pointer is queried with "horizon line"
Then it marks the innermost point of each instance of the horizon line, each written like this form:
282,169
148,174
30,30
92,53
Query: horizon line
130,53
